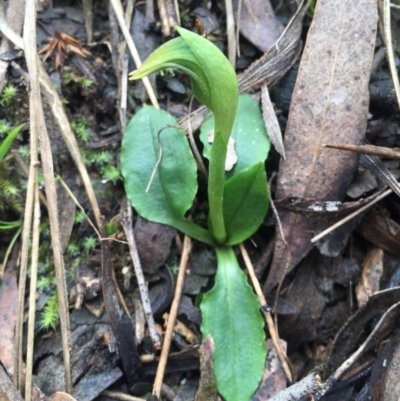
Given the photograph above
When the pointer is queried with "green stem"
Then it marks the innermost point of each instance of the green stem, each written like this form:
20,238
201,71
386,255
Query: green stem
216,181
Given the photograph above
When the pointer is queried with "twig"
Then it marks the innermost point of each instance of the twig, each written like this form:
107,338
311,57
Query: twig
230,29
367,149
117,7
88,16
265,311
73,197
238,17
178,15
386,33
350,216
38,123
126,221
162,10
32,293
26,234
302,389
187,246
124,91
117,395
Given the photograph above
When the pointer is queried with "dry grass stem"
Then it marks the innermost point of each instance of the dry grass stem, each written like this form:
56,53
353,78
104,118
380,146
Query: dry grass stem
158,381
267,315
117,7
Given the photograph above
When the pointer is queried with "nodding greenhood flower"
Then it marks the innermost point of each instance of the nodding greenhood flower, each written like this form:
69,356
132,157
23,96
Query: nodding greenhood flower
215,85
213,78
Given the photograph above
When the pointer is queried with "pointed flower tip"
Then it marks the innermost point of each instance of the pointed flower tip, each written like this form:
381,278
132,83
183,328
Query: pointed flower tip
134,75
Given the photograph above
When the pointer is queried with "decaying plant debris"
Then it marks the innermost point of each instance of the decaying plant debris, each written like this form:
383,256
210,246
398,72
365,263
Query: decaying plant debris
326,256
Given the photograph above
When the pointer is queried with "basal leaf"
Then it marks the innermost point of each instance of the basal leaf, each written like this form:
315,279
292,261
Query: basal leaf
251,142
174,184
246,203
231,316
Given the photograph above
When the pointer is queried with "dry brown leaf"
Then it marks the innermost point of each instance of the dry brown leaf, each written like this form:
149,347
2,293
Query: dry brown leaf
329,105
258,23
370,276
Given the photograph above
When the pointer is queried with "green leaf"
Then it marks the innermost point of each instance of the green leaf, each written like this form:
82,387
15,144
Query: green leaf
231,316
251,142
6,145
246,202
174,184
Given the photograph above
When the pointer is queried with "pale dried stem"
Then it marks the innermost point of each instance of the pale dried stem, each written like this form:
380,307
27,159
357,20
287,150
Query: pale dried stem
119,14
124,91
386,33
26,235
32,293
267,315
230,29
158,381
117,395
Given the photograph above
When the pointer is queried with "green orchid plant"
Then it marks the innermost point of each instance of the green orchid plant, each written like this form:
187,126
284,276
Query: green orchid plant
238,199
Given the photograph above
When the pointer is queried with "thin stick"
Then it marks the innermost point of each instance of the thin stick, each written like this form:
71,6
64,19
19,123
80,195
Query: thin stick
124,91
230,28
350,216
32,294
117,395
178,15
301,390
265,311
126,221
119,14
26,234
239,14
187,246
73,197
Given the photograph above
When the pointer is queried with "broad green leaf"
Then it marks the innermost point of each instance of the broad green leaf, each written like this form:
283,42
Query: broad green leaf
251,142
231,316
174,185
6,144
246,203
